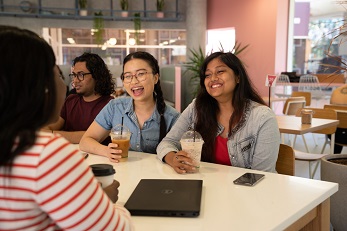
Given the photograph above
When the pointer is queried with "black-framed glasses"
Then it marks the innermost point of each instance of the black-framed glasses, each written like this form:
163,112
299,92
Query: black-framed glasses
140,76
79,75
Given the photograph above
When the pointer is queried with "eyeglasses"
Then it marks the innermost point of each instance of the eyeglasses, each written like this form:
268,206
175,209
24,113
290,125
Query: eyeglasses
140,76
79,75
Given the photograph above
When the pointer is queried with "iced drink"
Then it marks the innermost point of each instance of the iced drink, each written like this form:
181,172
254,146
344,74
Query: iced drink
121,135
191,143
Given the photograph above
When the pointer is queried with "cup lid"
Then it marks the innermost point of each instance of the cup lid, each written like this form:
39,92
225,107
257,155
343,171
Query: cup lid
102,169
192,135
119,129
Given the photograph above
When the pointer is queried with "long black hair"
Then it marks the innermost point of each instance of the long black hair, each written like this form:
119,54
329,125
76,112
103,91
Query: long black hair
207,107
27,89
157,94
104,84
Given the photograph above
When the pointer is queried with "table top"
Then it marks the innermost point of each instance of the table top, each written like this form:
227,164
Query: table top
293,125
273,204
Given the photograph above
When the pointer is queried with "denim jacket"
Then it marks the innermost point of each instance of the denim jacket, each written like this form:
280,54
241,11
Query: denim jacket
141,140
253,143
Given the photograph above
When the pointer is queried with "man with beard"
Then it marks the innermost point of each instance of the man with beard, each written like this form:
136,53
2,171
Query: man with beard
94,85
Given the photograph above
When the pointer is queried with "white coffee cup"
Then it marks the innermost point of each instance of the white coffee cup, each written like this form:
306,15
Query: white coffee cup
104,173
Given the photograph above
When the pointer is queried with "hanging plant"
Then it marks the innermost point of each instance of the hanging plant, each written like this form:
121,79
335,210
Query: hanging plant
137,27
124,5
99,27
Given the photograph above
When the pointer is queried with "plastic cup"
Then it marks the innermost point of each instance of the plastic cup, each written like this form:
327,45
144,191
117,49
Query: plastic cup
120,135
191,143
104,173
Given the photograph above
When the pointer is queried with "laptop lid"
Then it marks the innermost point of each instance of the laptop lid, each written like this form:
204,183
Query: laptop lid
166,197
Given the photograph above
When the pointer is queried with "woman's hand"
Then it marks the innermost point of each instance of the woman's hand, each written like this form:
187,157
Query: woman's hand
112,191
180,162
113,153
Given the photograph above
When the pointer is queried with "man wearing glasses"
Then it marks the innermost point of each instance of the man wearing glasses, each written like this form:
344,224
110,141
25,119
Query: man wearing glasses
94,85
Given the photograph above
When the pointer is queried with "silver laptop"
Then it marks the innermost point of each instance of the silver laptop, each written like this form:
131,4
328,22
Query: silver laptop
166,197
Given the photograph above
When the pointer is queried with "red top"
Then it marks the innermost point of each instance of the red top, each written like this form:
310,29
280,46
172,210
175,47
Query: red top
221,151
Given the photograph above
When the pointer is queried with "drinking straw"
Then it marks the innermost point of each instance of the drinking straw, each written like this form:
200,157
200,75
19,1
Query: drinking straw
194,135
121,128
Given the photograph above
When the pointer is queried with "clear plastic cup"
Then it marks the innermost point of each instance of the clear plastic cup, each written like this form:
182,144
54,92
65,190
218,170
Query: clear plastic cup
191,143
120,135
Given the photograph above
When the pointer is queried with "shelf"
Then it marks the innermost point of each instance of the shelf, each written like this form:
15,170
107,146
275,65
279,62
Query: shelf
26,9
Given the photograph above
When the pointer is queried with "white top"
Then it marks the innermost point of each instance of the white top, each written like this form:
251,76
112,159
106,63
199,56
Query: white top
273,204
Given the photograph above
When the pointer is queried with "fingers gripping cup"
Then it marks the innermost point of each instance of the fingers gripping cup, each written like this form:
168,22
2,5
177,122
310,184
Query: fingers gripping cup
191,143
120,135
104,173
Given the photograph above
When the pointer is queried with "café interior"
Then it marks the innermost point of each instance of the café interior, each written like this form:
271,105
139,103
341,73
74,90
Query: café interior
288,39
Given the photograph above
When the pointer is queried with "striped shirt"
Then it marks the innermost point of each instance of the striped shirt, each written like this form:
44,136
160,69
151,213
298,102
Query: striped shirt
50,187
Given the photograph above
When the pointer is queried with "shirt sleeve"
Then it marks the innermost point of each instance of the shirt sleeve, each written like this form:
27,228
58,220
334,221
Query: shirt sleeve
68,192
171,141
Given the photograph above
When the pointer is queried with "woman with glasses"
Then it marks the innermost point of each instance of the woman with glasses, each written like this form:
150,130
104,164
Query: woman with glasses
45,184
144,112
237,127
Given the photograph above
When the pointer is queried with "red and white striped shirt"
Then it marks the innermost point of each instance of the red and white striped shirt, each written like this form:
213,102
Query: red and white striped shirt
51,187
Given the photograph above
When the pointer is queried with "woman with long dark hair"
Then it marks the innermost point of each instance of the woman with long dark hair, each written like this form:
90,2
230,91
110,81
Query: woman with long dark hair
44,182
237,127
145,113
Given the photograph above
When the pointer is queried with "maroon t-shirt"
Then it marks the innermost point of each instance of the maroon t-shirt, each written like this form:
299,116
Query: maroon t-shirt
79,114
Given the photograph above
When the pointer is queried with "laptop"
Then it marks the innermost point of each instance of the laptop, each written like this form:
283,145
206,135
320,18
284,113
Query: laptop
166,197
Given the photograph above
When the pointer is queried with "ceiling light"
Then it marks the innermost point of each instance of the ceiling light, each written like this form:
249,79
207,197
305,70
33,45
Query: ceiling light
71,40
132,42
112,41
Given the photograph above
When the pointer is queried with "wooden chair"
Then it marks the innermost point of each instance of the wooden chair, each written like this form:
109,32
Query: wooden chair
315,158
341,112
322,114
286,160
292,104
305,94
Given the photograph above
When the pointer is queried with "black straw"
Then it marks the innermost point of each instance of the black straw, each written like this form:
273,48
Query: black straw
121,128
194,135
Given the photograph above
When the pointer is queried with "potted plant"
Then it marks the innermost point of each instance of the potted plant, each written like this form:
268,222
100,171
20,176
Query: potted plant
83,7
334,169
160,8
98,26
124,5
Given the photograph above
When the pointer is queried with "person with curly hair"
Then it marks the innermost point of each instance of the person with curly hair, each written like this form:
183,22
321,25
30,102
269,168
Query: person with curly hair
237,127
94,85
145,113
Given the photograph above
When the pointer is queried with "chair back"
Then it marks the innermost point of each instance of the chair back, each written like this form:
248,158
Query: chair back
305,94
321,113
292,104
286,160
310,83
341,112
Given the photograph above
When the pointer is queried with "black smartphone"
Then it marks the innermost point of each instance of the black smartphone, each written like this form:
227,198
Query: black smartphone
249,179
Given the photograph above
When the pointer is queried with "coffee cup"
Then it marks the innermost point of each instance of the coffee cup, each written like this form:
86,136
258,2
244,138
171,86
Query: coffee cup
191,143
120,135
104,173
306,116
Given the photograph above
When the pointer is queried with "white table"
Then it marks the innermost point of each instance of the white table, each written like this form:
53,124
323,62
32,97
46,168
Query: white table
275,203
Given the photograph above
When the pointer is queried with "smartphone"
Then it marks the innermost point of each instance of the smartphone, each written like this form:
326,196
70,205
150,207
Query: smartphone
249,179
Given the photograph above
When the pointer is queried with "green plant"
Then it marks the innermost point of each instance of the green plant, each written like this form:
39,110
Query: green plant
196,60
124,4
160,5
98,26
137,26
83,4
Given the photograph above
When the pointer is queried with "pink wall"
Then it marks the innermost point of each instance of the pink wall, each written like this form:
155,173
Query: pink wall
260,23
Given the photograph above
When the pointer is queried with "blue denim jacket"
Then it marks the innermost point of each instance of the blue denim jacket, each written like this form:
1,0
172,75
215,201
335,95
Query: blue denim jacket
253,144
142,140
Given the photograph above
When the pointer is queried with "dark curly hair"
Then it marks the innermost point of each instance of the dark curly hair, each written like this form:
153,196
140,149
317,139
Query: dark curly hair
104,83
157,94
27,89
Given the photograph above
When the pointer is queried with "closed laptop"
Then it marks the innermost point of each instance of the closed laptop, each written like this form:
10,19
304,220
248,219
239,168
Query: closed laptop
166,197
